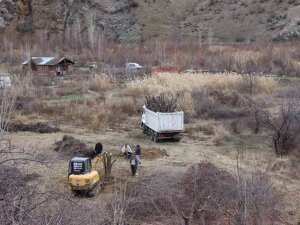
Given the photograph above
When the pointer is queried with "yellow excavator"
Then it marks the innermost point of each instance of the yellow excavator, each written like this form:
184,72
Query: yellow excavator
83,175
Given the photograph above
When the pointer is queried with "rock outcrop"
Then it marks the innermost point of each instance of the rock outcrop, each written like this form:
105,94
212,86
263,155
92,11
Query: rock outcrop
289,32
128,21
7,12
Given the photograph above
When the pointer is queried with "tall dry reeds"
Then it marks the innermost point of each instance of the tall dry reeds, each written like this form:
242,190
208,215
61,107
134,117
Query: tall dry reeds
221,95
173,83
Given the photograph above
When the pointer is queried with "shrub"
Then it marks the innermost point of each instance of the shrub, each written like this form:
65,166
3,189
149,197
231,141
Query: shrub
221,134
98,84
205,193
219,104
284,128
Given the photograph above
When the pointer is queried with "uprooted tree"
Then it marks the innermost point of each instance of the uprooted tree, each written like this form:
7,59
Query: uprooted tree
162,103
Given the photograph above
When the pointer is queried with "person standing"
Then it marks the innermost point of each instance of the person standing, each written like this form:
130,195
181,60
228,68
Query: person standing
138,154
98,148
133,164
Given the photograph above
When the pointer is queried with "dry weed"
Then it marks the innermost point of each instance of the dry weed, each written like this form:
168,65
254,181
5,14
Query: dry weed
99,83
221,134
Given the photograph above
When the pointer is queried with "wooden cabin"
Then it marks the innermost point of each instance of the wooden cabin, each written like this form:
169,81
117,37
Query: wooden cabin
51,66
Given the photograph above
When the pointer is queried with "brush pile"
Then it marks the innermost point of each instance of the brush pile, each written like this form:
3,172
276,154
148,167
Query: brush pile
162,103
38,127
71,146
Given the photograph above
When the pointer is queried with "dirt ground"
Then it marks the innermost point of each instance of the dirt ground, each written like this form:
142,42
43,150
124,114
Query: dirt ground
166,157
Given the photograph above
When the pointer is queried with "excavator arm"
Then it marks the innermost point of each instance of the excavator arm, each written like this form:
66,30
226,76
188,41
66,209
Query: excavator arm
107,162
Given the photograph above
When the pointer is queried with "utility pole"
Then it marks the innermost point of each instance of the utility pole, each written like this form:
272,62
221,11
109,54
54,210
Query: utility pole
199,35
210,36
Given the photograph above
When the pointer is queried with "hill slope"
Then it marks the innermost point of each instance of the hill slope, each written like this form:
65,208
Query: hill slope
133,21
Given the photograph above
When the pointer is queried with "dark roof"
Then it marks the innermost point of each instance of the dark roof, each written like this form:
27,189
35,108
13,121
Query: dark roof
48,61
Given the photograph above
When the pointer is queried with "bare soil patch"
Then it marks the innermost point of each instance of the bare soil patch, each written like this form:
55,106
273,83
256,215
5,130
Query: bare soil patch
38,127
71,146
153,153
147,153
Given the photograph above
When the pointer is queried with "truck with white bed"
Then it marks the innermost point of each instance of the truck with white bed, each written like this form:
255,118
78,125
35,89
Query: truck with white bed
162,125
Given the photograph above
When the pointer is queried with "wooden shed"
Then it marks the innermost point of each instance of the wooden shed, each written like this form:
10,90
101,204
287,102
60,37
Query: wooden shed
51,66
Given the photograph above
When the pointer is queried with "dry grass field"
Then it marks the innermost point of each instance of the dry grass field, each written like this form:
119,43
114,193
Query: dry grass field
219,125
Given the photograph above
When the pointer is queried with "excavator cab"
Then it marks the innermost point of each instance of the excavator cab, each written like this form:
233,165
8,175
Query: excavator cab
80,165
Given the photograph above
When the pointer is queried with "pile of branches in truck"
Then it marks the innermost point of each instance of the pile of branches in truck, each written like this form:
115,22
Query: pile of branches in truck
162,103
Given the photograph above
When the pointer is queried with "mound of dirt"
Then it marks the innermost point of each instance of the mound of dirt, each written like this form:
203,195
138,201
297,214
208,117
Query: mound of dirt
33,127
71,146
153,153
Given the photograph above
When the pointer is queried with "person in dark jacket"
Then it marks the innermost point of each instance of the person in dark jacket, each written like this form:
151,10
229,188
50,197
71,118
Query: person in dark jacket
98,148
138,152
133,164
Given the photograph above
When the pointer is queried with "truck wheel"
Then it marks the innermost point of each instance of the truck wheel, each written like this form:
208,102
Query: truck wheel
177,139
154,136
144,129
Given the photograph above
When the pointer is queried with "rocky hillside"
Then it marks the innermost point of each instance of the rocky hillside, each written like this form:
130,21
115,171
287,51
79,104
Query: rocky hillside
135,20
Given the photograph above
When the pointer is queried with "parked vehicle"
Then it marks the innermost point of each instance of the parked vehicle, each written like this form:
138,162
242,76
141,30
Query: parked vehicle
5,81
132,66
160,125
83,173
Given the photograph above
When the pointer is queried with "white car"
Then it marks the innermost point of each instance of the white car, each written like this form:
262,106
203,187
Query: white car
132,66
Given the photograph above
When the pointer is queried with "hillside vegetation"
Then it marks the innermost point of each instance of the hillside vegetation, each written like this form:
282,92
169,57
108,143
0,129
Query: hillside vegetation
134,21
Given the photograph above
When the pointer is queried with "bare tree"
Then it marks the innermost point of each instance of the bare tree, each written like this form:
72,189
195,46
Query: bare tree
8,96
284,127
91,30
119,204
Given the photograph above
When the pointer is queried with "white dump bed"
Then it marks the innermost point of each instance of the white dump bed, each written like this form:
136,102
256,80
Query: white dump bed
164,122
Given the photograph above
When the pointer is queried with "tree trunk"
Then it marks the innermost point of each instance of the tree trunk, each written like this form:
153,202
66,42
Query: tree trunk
109,167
